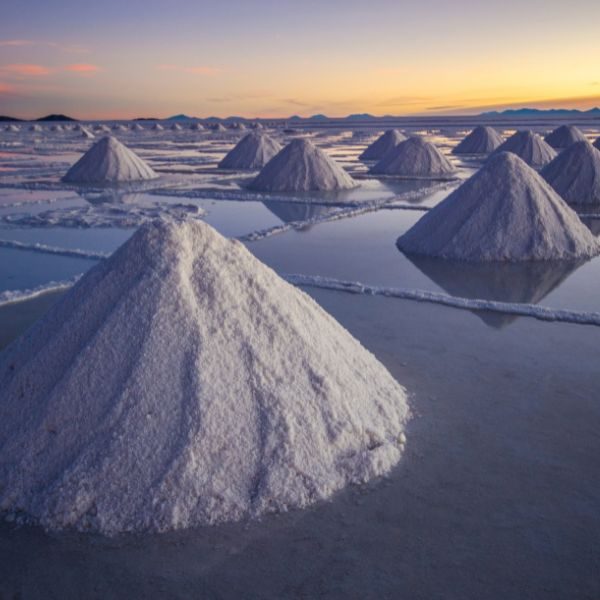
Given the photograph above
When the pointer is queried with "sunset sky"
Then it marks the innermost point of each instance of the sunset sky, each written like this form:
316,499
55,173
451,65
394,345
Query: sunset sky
128,58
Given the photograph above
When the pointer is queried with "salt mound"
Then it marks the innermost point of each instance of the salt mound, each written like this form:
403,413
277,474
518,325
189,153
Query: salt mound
575,174
219,127
253,151
109,161
482,140
157,127
182,382
505,212
176,127
302,167
382,145
597,143
415,158
35,128
136,127
564,136
530,147
196,126
57,128
12,129
87,134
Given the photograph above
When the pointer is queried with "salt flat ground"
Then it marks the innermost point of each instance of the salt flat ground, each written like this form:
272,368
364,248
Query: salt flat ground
498,493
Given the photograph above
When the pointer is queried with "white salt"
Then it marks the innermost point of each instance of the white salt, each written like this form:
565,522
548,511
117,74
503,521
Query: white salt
482,140
253,151
383,144
564,136
530,147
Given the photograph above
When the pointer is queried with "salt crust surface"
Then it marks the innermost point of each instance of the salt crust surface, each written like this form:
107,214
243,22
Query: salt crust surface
505,212
182,382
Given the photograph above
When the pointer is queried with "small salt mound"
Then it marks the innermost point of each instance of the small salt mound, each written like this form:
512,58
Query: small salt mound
176,127
109,161
597,143
196,127
382,145
530,147
136,127
302,167
257,126
87,134
35,128
102,129
575,174
157,127
505,212
182,382
564,136
253,151
57,128
415,158
12,129
219,127
482,140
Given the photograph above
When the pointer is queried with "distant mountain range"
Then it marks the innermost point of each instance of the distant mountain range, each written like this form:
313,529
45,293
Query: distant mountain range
541,112
56,118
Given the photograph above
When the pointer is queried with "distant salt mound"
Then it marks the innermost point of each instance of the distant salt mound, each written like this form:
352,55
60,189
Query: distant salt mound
12,129
530,147
196,127
109,161
176,127
256,125
35,128
102,129
253,151
597,144
382,145
218,127
157,127
505,212
181,383
482,140
119,127
415,158
86,134
564,136
302,167
136,127
57,128
575,174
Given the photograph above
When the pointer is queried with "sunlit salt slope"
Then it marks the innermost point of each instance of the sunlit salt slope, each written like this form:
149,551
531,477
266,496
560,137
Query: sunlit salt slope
182,382
382,145
109,161
505,212
482,140
302,167
253,151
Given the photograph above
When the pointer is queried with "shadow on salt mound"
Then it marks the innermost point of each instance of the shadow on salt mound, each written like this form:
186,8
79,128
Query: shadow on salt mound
564,136
109,161
292,212
528,146
220,392
506,212
524,282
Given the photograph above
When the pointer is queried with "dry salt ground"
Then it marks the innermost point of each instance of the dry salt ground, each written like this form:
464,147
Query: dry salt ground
505,212
530,147
382,145
109,161
253,151
302,167
219,392
564,136
482,140
417,158
575,174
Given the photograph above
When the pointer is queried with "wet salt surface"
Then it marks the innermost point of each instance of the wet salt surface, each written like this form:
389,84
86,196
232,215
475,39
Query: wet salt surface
497,496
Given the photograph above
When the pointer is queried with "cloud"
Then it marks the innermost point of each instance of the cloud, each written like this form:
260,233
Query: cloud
83,69
75,48
198,70
6,89
25,70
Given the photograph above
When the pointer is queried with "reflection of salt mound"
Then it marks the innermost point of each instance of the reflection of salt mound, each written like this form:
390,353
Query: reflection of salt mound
415,158
253,151
219,391
530,147
564,136
87,134
382,145
109,161
523,282
302,167
157,127
575,174
505,212
482,140
293,212
196,127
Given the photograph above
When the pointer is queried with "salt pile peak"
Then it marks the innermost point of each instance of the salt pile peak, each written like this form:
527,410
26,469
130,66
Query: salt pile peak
253,151
530,147
182,382
564,136
383,144
505,212
575,174
302,167
482,140
109,161
415,158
